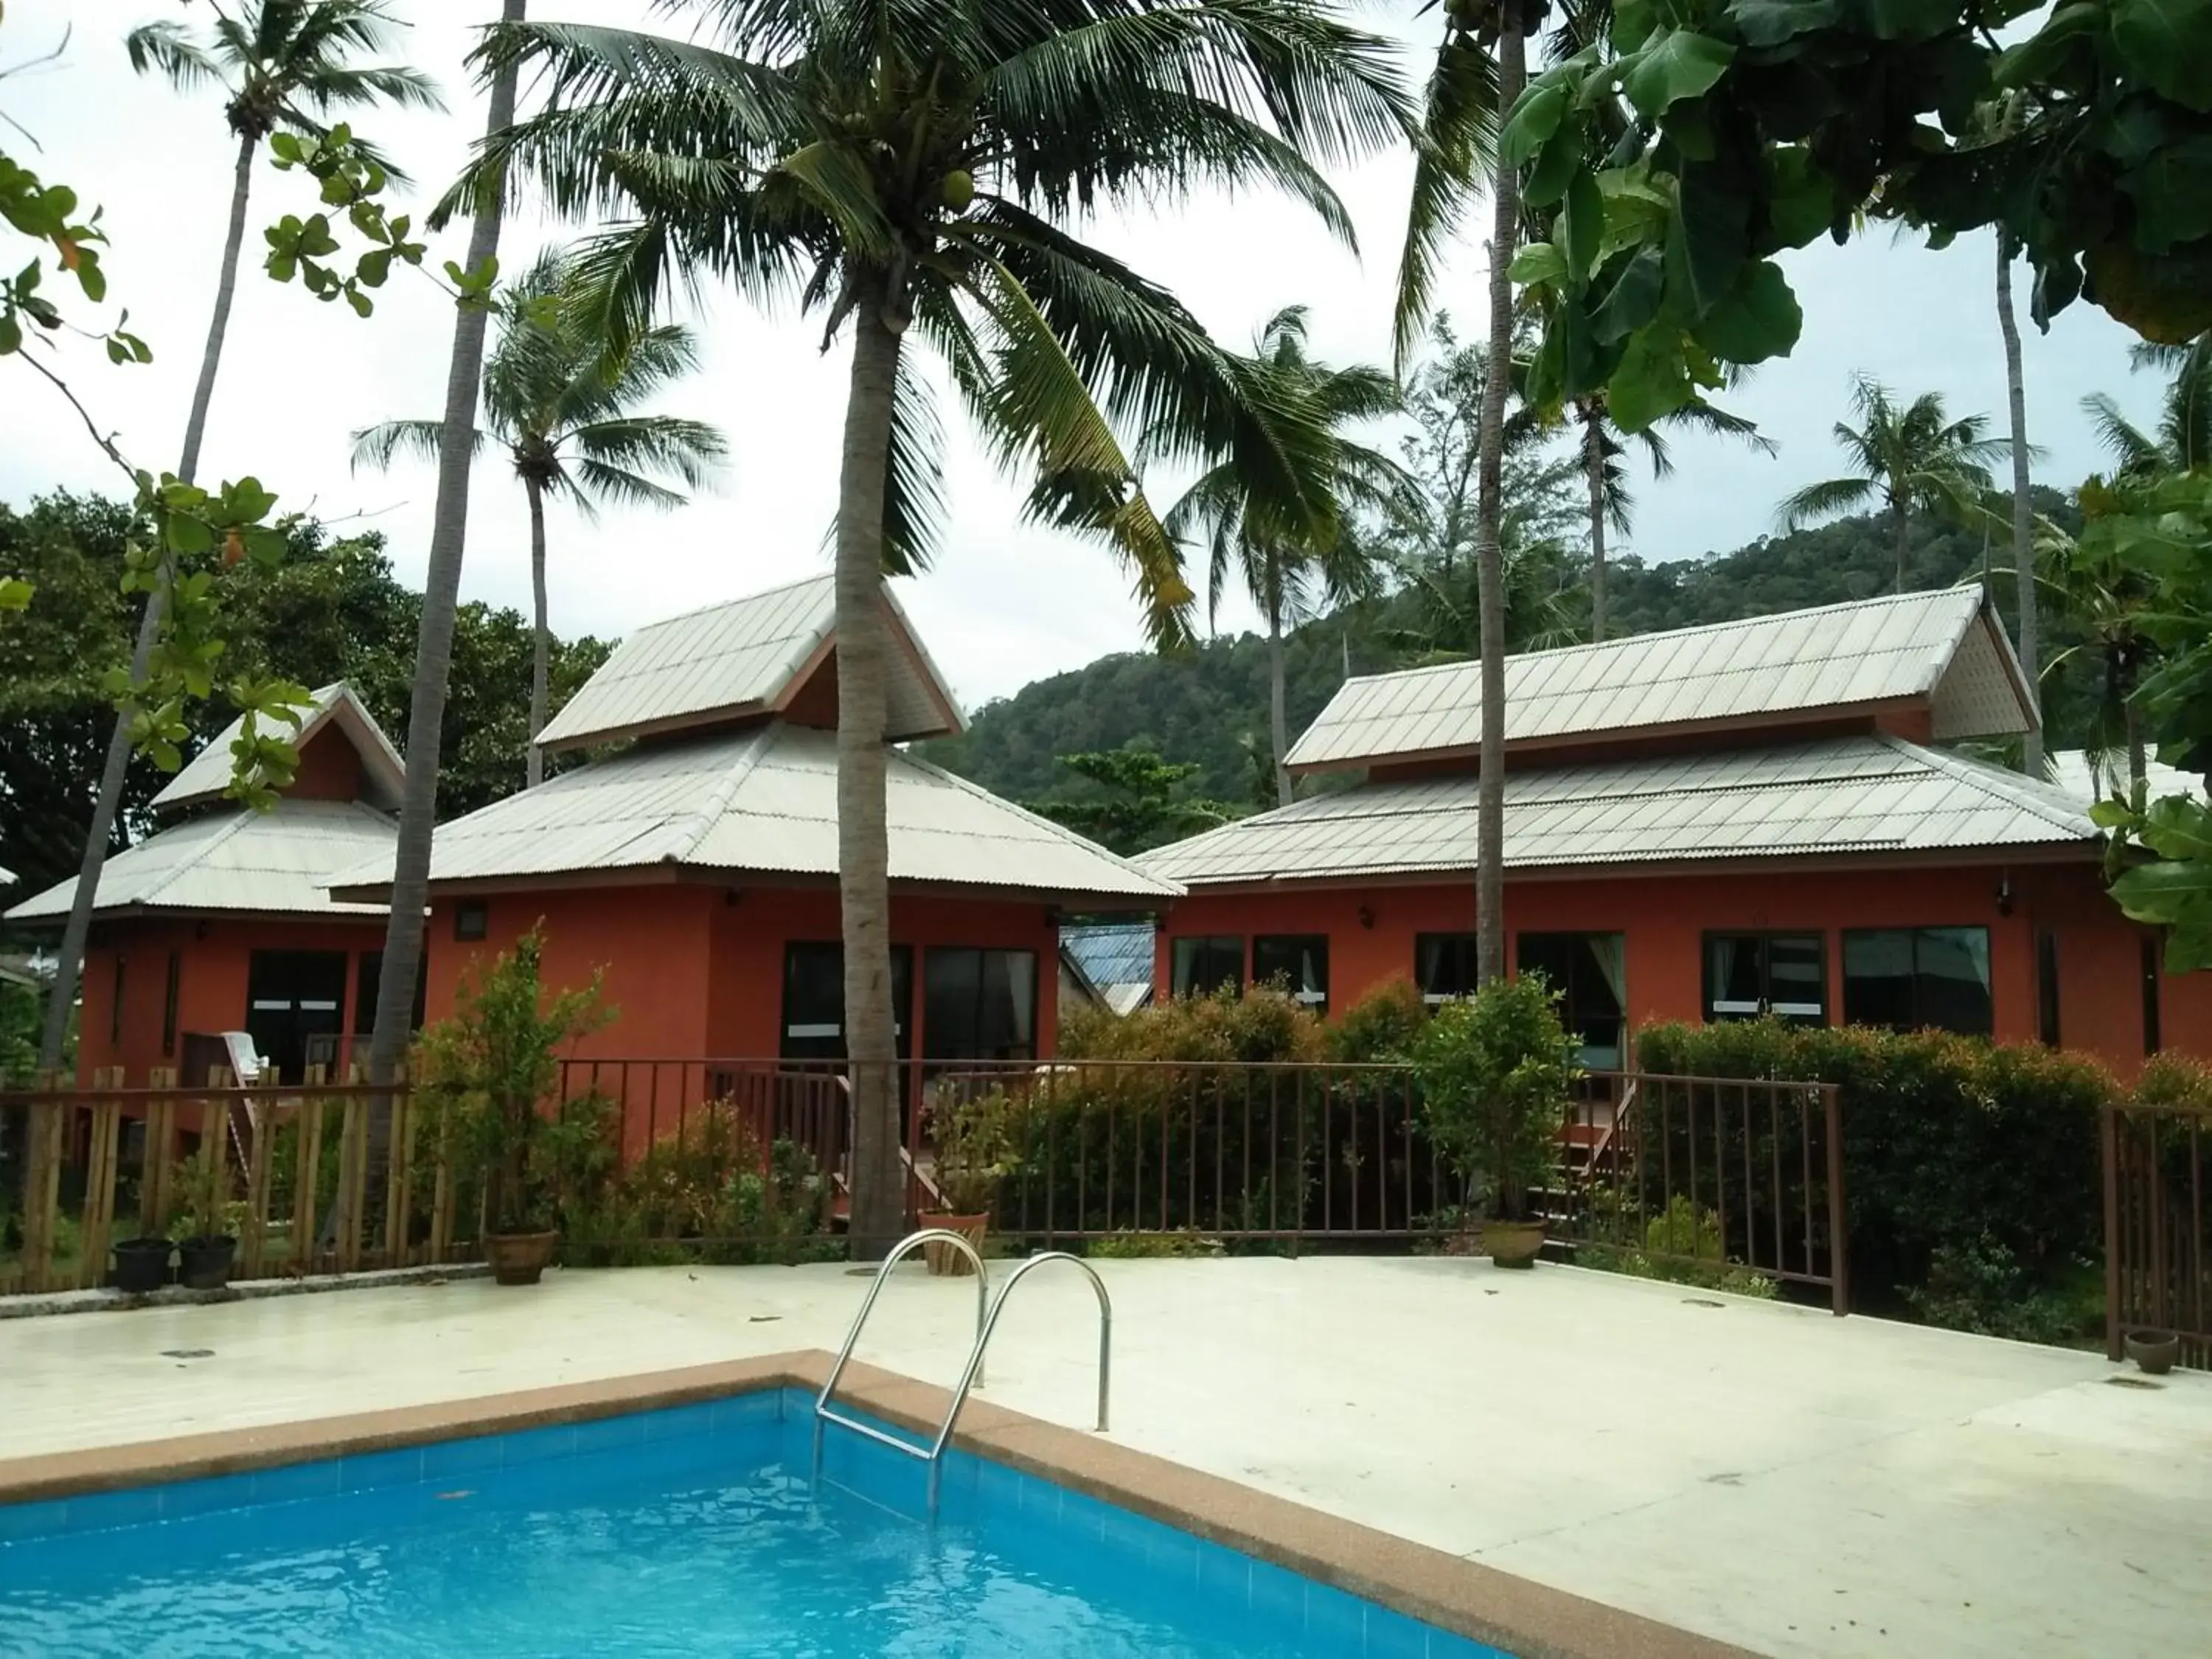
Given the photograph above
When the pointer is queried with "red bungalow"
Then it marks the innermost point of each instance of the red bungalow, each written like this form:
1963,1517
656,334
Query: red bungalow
696,864
222,922
1702,824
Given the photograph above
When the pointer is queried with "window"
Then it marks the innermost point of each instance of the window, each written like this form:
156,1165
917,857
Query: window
169,1004
814,1001
979,1005
292,998
115,1004
2152,1040
1909,978
471,920
364,987
1589,971
1785,974
1297,961
2046,988
1443,966
1199,967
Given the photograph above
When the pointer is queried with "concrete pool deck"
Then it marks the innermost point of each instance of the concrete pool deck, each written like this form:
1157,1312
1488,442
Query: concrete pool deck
1764,1475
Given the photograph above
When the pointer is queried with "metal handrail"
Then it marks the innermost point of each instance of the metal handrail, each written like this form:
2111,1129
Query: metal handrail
971,1376
905,1248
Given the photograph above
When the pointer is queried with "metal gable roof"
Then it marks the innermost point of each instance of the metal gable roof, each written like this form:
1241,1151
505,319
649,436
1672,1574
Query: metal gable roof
1841,796
1940,646
763,799
1111,953
276,862
742,657
207,776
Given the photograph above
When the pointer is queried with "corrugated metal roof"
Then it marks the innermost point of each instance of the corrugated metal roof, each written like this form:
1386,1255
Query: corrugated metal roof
207,775
1842,796
763,799
742,657
1111,953
2071,771
1936,646
277,862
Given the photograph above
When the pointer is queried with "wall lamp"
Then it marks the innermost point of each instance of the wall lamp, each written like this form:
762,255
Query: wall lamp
1367,916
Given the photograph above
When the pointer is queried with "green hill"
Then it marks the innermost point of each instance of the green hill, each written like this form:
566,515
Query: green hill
1208,708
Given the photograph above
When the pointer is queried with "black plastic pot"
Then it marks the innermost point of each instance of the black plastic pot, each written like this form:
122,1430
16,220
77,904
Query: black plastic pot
141,1265
203,1264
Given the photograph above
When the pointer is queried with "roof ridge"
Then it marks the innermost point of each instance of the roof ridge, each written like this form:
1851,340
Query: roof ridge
1997,781
724,604
1060,829
1624,640
233,826
734,774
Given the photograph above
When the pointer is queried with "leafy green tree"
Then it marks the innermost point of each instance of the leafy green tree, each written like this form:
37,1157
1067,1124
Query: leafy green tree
1131,801
915,170
564,407
1905,458
1294,554
2182,439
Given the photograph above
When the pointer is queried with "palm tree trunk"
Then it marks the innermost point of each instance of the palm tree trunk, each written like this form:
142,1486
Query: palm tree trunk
535,770
1594,473
1279,719
434,639
117,766
2138,753
878,1210
1904,518
1489,556
2023,537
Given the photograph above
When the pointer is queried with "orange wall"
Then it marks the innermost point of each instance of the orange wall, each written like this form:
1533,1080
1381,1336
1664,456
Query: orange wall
213,957
1664,918
330,768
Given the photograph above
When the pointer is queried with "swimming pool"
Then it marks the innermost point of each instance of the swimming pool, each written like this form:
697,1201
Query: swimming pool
696,1529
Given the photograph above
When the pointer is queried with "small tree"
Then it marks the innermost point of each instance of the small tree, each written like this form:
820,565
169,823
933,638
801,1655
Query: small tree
495,1064
1494,1071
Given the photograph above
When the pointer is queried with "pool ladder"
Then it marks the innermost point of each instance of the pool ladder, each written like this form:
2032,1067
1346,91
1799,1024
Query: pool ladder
971,1378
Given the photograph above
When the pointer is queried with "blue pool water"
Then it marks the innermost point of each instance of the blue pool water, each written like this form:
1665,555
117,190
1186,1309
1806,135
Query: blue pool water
692,1531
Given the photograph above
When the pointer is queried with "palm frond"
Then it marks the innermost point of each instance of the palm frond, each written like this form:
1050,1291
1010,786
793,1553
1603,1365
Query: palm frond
167,49
600,481
1825,500
339,86
1454,150
915,505
691,450
379,445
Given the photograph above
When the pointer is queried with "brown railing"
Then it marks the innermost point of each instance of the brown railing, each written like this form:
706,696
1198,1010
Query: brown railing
105,1163
1713,1176
2158,1226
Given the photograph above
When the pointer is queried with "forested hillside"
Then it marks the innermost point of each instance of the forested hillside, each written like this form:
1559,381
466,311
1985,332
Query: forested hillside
1209,707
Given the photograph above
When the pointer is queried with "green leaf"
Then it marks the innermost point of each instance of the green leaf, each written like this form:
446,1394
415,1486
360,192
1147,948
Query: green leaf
362,304
1801,202
188,535
11,333
1582,226
1756,320
1681,64
2163,891
2180,827
1770,22
1651,383
1537,262
1634,299
374,267
1706,240
1535,119
15,594
2173,194
1546,182
2169,44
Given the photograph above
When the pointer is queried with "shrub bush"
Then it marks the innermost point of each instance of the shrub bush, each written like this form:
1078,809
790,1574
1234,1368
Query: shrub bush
1494,1072
1381,1026
1952,1146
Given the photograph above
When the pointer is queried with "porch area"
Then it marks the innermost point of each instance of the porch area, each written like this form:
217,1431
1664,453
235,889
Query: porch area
1755,1471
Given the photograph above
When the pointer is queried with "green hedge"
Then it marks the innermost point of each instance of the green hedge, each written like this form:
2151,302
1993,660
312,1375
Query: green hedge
1972,1171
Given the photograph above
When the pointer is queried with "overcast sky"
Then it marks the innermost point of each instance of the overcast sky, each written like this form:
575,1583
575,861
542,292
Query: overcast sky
1008,603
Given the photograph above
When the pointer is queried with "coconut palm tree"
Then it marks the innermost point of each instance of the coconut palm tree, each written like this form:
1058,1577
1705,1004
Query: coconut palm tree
1293,553
2183,440
916,171
1913,458
1605,472
282,63
563,407
2022,504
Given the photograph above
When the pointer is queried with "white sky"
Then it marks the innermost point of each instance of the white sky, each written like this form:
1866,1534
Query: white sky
1006,604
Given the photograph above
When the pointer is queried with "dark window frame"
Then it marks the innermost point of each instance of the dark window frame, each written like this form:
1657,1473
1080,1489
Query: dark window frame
471,921
902,1008
932,1057
285,1054
1316,1000
1568,1014
115,1006
1919,1021
1205,944
1766,938
2047,1026
2153,1015
1452,945
169,1003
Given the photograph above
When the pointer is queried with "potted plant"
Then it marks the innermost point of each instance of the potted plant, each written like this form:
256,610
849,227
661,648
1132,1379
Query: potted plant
975,1144
495,1068
142,1264
201,1228
1494,1072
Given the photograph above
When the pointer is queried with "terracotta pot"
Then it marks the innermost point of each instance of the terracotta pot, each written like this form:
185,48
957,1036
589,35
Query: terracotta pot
2154,1350
1512,1244
519,1258
946,1258
203,1264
